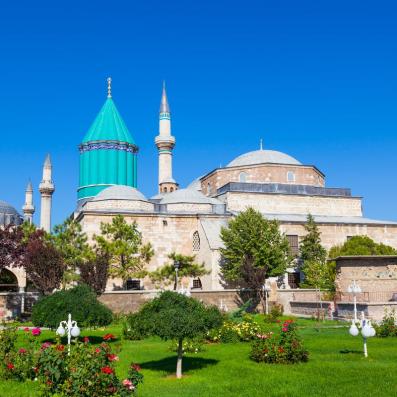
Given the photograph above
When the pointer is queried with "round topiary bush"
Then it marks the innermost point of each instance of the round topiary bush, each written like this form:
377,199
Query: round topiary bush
80,301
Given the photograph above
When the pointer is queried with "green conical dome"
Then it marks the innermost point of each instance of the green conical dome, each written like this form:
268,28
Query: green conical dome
107,154
108,126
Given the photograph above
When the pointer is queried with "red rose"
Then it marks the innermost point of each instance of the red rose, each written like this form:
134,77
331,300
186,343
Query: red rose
22,351
112,357
36,331
97,350
26,329
86,339
107,370
109,337
136,367
10,366
60,348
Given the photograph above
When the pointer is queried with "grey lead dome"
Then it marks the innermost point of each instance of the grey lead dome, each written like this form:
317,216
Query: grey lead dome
9,215
263,156
120,192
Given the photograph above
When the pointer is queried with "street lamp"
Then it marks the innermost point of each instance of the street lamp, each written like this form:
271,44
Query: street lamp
354,289
177,266
367,331
70,328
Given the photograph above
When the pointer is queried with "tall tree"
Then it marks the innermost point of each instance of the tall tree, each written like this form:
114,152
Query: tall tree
314,257
11,246
254,249
71,243
187,268
123,243
94,272
43,263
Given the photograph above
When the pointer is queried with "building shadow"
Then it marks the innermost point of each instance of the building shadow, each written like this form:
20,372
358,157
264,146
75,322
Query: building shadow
168,364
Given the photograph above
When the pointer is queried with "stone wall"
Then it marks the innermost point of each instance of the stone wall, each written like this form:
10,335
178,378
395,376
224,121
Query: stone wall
14,304
271,203
131,301
262,173
376,276
137,205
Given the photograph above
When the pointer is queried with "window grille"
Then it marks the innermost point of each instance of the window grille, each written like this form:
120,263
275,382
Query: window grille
294,280
196,241
197,284
293,241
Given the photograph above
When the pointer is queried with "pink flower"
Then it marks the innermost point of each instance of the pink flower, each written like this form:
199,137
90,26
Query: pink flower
26,329
128,384
137,367
86,339
22,351
112,357
36,331
45,345
285,329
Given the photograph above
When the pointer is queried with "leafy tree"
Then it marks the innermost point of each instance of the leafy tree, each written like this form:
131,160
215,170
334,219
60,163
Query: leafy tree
254,249
11,246
314,256
123,243
178,317
187,268
361,245
71,243
95,271
43,264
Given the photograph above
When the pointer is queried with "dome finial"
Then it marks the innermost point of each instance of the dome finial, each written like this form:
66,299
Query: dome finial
109,87
261,144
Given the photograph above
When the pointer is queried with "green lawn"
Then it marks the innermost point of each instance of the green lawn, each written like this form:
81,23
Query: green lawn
336,367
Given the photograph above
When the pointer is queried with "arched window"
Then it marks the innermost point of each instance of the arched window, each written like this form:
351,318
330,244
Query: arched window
171,189
196,241
208,188
243,177
290,176
165,190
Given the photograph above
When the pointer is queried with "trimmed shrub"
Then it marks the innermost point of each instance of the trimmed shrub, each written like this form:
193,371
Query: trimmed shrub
275,312
80,301
133,327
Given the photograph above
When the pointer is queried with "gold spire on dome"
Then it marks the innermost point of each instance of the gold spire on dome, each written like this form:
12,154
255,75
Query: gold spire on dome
109,80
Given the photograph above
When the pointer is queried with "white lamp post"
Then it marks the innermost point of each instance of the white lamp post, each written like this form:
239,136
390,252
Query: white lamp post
70,328
354,289
266,290
367,331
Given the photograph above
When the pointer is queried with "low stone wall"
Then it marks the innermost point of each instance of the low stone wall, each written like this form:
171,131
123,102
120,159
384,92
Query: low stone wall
311,309
131,301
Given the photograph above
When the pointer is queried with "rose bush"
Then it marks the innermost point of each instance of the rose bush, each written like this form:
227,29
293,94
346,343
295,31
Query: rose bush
284,348
388,325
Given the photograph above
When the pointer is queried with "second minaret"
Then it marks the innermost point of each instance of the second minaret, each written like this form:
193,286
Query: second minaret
46,189
165,142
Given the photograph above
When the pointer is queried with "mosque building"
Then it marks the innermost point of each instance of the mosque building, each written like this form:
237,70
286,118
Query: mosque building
189,220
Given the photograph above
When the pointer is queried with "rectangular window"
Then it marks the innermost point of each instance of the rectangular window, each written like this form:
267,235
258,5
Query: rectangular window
293,280
133,284
293,241
197,284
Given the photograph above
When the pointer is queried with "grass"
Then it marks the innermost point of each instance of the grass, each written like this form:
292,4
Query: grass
336,367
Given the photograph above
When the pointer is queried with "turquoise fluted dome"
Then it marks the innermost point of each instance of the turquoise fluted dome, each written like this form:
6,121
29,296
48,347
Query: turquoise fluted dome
107,154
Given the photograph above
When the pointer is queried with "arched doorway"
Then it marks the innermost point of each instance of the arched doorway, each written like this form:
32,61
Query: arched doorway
8,281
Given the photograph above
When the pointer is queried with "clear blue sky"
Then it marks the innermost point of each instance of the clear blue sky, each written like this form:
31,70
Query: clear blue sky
314,79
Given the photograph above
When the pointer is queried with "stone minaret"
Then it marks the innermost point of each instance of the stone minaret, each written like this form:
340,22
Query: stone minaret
46,189
28,207
165,142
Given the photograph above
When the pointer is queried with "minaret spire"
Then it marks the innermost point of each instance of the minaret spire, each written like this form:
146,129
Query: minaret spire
28,207
261,144
109,80
46,189
165,142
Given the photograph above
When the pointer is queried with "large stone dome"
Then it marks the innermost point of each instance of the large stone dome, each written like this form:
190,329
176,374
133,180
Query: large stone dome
263,156
9,215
